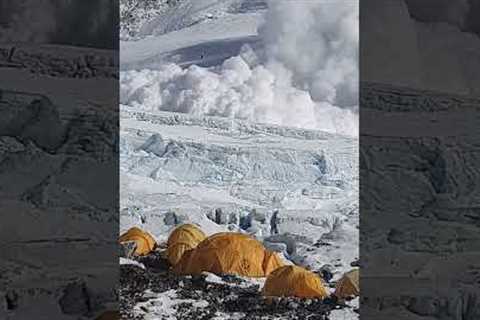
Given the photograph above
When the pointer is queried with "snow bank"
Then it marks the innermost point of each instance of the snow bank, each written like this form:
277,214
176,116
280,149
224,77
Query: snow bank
307,75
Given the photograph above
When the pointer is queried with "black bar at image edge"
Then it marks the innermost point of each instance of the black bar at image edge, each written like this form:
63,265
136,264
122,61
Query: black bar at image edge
419,155
58,158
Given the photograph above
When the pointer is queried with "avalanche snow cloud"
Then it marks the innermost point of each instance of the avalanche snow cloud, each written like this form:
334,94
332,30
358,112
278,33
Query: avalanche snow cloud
304,75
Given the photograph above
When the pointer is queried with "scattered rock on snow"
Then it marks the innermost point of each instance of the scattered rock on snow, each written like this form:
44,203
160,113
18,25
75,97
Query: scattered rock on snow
233,228
204,296
275,246
326,272
155,262
233,218
221,217
286,239
171,218
355,263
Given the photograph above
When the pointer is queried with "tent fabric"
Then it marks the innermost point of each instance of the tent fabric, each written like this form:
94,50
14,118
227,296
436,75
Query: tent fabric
294,281
348,285
229,253
145,242
183,238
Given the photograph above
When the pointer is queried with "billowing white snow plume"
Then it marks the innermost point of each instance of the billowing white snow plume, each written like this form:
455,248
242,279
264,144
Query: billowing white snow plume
316,44
306,76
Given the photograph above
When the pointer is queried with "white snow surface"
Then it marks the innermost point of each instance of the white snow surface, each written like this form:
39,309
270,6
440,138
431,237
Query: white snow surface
163,305
130,261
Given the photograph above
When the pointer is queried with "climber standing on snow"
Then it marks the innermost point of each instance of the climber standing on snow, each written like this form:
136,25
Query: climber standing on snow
274,223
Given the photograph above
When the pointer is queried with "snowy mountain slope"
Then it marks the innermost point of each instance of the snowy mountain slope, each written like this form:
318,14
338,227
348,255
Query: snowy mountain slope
140,19
264,168
179,168
222,127
244,65
218,39
134,13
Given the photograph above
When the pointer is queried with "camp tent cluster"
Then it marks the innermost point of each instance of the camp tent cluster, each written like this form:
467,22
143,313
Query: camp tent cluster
191,252
229,253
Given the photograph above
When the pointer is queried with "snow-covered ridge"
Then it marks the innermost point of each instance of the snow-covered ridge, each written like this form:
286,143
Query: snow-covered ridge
225,124
241,150
140,19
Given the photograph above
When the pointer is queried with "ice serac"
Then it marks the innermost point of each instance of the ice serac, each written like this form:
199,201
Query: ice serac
294,187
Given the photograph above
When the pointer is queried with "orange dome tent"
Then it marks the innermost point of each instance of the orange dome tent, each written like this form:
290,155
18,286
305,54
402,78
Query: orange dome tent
183,238
229,253
144,241
294,281
348,285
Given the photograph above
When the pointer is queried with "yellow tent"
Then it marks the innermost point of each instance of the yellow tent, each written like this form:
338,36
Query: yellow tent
144,241
348,285
183,238
109,315
229,253
296,282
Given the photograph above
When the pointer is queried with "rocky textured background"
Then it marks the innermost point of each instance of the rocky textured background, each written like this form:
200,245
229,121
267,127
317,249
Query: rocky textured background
148,289
69,62
59,173
419,204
